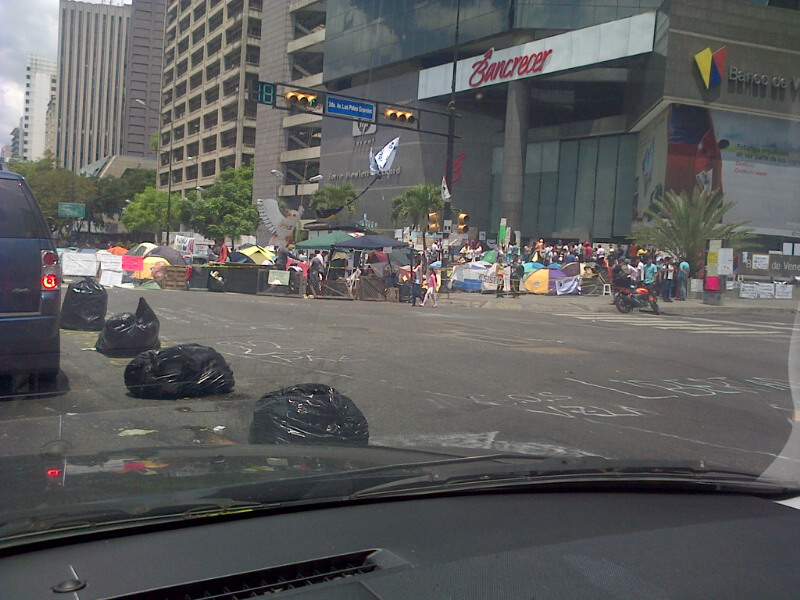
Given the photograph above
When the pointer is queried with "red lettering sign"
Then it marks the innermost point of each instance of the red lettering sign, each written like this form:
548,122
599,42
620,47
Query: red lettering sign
484,71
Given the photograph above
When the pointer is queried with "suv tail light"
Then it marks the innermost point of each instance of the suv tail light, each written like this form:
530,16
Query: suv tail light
51,271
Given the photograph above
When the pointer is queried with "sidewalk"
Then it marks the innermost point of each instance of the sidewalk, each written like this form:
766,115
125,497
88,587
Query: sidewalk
602,304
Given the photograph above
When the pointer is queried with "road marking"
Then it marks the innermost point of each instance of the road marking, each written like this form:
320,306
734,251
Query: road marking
700,326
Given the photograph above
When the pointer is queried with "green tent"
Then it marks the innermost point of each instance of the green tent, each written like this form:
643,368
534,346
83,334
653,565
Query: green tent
324,242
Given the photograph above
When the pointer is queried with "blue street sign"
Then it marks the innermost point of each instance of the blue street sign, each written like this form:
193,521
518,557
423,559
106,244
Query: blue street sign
345,107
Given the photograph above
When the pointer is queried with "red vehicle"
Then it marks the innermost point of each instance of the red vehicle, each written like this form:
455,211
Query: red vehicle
626,299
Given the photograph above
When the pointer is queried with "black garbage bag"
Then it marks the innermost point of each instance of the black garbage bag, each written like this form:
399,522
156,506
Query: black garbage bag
85,305
190,370
128,334
309,413
216,282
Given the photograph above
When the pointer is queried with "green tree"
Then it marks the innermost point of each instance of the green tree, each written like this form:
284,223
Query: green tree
148,211
682,224
413,206
52,185
335,196
225,209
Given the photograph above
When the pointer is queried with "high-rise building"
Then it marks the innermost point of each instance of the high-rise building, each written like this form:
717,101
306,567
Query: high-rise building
143,77
211,58
16,140
288,145
40,87
92,48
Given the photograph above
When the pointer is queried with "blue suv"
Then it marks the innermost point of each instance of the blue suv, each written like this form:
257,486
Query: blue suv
30,284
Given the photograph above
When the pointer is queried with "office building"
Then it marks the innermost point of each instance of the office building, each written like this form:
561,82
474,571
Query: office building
92,49
575,116
143,78
40,87
288,145
16,140
211,58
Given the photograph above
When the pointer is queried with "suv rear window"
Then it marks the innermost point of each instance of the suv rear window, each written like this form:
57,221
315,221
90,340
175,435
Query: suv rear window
20,216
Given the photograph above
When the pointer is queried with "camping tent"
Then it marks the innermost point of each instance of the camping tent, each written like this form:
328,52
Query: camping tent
147,267
142,249
551,281
324,242
256,253
174,257
467,276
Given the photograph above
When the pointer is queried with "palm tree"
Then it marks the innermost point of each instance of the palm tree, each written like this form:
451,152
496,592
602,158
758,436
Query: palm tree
682,224
415,203
332,197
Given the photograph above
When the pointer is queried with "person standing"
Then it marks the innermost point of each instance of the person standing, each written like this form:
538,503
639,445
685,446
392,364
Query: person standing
683,278
649,274
431,282
317,265
220,249
667,278
416,282
517,275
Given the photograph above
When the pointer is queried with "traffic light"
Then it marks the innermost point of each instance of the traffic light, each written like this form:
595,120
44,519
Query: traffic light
301,99
433,222
463,218
401,116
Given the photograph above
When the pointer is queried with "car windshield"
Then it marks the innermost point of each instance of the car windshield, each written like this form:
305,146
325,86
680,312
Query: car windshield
259,252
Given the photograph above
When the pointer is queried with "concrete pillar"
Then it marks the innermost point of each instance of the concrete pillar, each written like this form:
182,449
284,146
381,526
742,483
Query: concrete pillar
515,144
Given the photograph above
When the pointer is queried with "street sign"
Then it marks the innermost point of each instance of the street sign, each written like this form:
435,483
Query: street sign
263,92
72,210
354,109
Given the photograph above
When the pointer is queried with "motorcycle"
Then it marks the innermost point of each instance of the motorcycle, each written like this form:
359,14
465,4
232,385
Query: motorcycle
626,299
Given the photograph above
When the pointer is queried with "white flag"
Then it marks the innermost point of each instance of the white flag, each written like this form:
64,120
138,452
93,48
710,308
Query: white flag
445,191
382,161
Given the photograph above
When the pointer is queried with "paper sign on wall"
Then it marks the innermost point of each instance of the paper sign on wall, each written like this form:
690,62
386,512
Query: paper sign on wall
783,291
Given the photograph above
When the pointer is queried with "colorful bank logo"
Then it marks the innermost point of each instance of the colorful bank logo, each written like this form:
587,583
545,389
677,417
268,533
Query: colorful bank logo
711,66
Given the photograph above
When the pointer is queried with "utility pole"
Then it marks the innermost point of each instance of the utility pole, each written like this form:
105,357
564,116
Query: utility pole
451,134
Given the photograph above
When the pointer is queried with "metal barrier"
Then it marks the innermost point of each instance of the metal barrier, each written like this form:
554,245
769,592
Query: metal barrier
336,289
274,282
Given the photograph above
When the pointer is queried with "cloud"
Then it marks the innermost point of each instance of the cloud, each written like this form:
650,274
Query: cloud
26,27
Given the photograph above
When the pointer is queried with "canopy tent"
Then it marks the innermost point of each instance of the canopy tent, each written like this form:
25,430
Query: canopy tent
257,254
142,249
370,242
324,242
174,257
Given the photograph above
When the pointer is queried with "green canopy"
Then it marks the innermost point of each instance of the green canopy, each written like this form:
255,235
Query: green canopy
324,242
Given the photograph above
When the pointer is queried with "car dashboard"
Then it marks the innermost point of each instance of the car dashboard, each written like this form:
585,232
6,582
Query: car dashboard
488,545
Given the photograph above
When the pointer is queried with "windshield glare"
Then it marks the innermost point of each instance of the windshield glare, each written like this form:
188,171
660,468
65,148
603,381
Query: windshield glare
402,245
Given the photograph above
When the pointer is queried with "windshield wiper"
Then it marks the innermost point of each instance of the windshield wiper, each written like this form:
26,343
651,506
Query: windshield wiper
588,474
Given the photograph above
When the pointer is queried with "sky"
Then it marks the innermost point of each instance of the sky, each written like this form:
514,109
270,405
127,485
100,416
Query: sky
26,27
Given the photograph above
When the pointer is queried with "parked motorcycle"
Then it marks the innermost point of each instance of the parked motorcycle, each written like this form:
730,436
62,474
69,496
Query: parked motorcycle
626,299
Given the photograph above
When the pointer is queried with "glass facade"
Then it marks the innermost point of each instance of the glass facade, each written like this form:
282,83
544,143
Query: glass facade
361,35
583,186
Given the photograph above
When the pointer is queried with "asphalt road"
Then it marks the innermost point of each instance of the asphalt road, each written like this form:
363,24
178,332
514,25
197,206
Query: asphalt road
639,386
